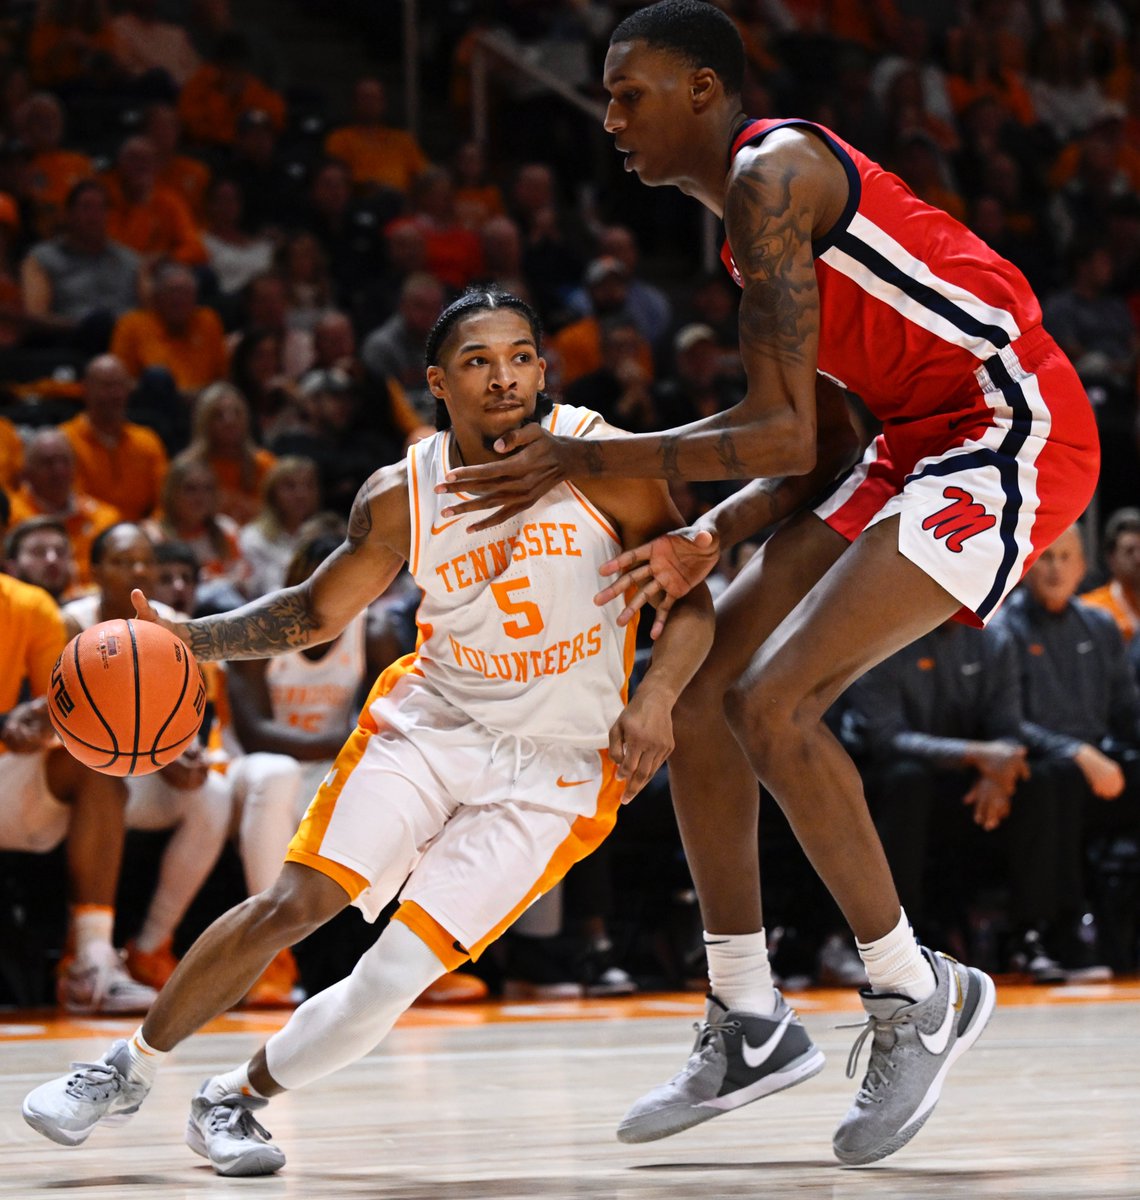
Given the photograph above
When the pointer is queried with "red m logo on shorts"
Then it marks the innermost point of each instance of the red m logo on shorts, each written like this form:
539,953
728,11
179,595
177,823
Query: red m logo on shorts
959,520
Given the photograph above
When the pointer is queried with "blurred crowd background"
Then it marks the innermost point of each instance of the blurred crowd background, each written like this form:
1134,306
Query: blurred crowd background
225,230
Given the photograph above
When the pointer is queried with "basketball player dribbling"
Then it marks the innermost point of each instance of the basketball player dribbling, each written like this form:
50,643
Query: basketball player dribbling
988,452
481,768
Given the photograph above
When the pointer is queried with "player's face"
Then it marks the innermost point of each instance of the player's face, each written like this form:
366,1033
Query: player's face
650,113
490,374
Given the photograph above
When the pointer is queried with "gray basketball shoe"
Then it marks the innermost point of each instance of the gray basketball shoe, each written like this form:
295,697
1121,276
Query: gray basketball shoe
914,1046
67,1109
738,1057
225,1132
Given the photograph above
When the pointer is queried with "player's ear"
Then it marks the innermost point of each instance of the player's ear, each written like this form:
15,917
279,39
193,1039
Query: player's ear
541,373
704,84
435,382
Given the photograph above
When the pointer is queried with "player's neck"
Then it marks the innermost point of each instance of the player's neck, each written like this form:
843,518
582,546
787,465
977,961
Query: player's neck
468,451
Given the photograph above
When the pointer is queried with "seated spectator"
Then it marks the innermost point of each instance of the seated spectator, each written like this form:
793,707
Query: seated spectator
48,797
453,253
580,343
179,173
221,439
255,162
553,245
219,91
941,722
189,514
698,386
395,349
52,170
235,256
620,389
980,66
175,333
147,46
116,461
80,281
335,438
502,251
405,254
150,218
920,163
184,796
1081,722
303,267
1120,596
72,44
49,490
11,455
349,230
912,52
38,551
1094,327
255,369
267,308
378,155
477,197
291,494
649,307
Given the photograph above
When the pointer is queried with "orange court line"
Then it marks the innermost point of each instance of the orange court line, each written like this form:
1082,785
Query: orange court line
49,1025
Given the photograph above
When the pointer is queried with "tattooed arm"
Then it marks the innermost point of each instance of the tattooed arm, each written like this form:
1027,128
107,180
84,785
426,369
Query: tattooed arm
317,610
779,196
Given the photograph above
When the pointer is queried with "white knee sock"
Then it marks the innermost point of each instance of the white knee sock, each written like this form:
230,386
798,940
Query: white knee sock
895,964
740,975
342,1023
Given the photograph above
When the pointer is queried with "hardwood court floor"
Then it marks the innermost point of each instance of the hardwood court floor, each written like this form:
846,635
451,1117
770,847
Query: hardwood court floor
513,1102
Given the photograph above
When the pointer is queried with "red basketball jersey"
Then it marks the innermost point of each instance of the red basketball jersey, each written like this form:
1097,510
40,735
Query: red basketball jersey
911,302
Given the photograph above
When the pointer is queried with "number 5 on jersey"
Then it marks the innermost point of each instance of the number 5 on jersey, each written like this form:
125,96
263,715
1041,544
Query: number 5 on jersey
531,619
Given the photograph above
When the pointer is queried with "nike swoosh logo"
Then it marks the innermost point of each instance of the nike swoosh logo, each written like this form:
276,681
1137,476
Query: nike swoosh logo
571,782
445,525
937,1041
757,1056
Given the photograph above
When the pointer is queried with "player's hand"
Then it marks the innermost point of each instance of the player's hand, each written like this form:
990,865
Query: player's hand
1102,774
188,770
27,727
1003,763
991,805
662,571
145,611
534,461
641,739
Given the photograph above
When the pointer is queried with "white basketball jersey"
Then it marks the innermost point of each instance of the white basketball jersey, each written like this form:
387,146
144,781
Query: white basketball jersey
509,632
322,695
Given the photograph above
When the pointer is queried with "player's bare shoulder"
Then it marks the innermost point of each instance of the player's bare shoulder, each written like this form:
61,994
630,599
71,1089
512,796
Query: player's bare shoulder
379,514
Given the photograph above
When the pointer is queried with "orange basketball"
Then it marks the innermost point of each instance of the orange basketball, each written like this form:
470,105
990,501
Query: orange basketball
127,697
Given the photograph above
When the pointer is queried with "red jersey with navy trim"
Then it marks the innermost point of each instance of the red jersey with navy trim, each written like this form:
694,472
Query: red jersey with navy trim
911,302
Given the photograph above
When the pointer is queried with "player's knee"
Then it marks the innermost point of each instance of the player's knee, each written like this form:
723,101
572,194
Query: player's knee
299,901
764,713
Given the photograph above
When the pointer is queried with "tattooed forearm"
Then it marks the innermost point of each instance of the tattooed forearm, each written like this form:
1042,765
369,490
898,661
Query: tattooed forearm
730,459
593,457
360,519
770,234
668,451
278,623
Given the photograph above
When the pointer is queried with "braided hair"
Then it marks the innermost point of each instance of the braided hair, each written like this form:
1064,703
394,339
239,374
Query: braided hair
476,300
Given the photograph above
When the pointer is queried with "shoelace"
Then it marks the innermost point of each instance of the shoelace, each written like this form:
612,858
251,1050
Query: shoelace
876,1065
705,1031
236,1119
94,1081
523,753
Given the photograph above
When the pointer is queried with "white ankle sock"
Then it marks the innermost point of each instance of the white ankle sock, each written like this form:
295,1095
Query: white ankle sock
231,1083
145,1059
91,929
740,975
895,964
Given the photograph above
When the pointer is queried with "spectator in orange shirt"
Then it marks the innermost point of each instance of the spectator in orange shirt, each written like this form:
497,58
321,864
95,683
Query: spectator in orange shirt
146,216
49,490
453,252
1120,596
175,333
221,90
477,196
222,441
116,461
187,177
52,171
378,155
72,43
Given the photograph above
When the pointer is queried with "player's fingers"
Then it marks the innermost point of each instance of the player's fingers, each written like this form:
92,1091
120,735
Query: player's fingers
143,609
623,562
617,745
664,607
620,586
499,516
